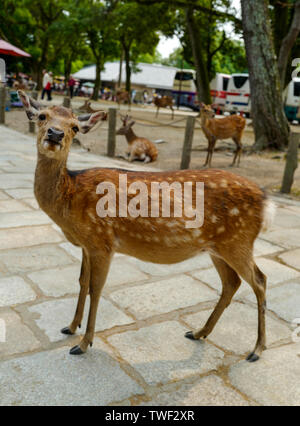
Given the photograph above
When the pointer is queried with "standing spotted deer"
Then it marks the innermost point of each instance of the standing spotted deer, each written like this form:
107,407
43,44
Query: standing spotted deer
221,128
235,211
138,148
164,102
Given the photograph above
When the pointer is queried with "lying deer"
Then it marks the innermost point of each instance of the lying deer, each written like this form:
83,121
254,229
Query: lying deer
164,102
86,107
236,210
138,148
221,128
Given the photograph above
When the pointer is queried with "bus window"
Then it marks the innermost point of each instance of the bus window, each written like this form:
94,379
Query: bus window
225,83
297,88
239,81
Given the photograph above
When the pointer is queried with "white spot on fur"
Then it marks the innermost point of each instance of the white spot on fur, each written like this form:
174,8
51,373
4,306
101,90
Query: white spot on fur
212,184
220,230
234,212
214,218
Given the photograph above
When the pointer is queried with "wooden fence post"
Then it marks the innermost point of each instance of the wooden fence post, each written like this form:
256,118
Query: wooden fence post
291,163
67,102
111,143
2,104
31,126
188,141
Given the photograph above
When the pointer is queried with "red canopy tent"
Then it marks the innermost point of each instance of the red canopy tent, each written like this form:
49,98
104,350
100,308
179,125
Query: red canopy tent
8,49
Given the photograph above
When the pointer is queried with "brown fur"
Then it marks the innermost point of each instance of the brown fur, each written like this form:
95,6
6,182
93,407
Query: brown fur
122,96
221,128
164,102
233,218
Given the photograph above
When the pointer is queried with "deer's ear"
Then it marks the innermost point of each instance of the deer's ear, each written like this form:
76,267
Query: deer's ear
132,123
31,106
202,105
88,121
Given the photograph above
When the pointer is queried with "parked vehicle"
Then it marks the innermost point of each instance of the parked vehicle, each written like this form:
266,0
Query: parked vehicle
292,99
238,94
218,91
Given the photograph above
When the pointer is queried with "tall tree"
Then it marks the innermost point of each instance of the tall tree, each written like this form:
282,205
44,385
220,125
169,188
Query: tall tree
270,124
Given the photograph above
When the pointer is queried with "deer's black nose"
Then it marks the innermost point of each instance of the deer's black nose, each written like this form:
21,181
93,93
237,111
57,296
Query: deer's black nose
55,135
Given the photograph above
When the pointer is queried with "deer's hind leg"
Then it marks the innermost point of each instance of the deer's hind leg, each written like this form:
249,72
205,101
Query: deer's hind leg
84,282
238,152
243,263
230,283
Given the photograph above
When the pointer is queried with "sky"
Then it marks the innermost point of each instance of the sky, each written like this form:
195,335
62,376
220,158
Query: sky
168,45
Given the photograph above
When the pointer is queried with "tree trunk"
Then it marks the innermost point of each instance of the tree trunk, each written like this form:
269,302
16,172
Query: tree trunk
120,68
97,86
201,66
287,44
270,124
128,69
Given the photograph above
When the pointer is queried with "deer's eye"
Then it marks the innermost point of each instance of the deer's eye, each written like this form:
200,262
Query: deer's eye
75,129
42,117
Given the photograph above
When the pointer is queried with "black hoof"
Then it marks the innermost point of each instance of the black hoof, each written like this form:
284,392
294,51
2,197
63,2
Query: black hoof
76,350
252,357
66,330
190,335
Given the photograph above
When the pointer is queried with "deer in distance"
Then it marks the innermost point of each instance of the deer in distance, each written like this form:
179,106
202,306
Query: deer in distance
221,128
138,148
235,211
164,102
86,107
123,96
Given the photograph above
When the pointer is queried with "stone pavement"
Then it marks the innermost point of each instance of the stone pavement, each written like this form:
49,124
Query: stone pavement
140,355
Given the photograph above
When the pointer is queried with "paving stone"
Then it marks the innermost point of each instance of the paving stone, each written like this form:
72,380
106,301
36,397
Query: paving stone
163,296
34,258
291,258
14,290
286,219
12,220
16,180
273,380
13,206
275,271
201,261
208,391
58,282
57,378
31,202
263,248
161,353
123,271
3,196
236,330
29,236
72,250
19,338
20,193
55,314
288,238
284,301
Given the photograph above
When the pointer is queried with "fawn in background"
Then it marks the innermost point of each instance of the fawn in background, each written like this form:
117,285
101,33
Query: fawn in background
138,148
221,128
235,211
164,102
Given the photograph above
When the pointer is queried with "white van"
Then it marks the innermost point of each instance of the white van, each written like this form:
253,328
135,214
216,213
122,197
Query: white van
292,99
218,91
238,94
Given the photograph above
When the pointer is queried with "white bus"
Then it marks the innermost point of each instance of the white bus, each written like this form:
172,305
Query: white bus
238,94
292,99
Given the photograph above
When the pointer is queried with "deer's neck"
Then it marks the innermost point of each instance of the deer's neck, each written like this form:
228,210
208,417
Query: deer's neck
50,179
130,136
204,121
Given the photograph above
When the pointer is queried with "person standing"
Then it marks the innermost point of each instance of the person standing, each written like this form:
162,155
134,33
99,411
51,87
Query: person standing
47,83
71,84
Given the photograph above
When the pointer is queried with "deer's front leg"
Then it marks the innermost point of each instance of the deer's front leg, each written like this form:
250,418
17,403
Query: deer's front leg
99,270
84,281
